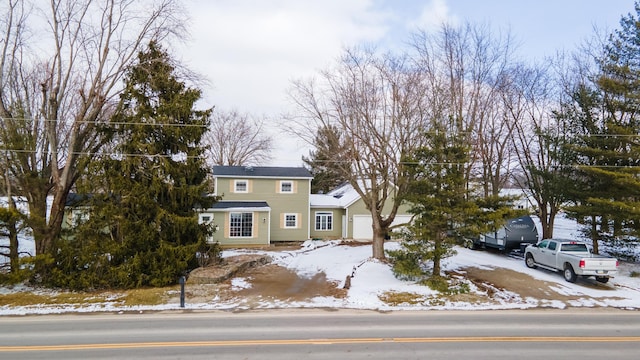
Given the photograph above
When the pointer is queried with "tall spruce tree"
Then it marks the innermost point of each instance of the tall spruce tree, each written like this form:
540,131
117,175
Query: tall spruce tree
142,228
445,211
327,162
606,117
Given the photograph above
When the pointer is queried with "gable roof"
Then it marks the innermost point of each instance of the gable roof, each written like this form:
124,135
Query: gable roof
261,171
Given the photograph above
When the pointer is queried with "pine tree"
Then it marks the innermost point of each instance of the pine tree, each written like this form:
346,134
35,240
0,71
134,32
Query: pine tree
605,116
142,229
437,195
445,210
327,162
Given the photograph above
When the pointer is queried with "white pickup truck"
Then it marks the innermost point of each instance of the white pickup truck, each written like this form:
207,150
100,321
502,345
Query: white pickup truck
573,258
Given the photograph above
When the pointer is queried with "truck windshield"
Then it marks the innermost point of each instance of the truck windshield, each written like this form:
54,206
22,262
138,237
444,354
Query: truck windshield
575,247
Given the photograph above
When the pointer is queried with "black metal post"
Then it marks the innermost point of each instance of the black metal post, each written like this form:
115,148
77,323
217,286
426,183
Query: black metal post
182,291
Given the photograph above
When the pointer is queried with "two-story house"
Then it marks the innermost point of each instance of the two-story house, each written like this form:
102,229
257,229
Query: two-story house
259,205
266,205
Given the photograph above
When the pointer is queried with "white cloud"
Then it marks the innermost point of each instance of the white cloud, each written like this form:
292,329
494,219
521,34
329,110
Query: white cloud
433,15
251,50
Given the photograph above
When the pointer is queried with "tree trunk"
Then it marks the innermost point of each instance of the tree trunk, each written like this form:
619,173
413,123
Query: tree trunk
546,222
437,254
594,234
551,220
38,217
379,234
54,224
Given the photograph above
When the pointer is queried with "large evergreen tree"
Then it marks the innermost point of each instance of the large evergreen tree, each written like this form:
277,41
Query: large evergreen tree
445,211
605,116
142,229
437,195
327,163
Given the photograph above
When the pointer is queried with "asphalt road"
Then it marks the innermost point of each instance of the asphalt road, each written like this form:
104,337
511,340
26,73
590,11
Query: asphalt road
324,334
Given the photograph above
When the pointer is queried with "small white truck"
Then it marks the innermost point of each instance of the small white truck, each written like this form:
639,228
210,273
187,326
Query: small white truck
573,258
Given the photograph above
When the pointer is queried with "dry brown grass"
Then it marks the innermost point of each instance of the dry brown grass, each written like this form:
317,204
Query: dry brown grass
147,296
64,298
399,298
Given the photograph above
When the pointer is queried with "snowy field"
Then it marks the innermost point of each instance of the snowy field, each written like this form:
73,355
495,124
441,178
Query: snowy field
373,278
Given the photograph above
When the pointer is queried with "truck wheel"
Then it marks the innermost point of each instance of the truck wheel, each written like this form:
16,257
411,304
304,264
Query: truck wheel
531,263
471,244
602,279
569,274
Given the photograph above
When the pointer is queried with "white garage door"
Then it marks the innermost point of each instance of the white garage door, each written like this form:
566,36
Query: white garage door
362,225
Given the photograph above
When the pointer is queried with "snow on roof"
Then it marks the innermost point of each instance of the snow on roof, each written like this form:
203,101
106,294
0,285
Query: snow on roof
324,201
340,197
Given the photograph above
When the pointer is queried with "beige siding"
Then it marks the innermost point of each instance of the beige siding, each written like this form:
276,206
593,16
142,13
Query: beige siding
336,232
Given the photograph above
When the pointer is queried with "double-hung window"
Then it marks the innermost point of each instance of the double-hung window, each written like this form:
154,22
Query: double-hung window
286,187
324,221
241,224
241,186
290,221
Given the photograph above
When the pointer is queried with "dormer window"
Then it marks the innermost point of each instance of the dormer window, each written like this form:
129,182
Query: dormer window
241,186
286,187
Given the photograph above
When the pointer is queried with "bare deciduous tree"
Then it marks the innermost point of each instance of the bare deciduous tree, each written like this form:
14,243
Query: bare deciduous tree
465,66
529,100
237,139
54,95
374,102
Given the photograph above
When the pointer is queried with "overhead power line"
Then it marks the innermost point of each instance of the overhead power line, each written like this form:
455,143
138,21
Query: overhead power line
86,153
106,123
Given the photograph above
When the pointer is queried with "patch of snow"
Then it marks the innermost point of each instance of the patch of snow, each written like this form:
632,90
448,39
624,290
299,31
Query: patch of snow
240,283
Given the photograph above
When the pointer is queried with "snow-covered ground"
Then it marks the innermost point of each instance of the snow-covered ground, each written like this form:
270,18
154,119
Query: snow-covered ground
372,279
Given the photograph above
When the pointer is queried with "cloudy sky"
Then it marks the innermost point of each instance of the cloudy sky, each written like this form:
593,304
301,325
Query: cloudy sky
250,50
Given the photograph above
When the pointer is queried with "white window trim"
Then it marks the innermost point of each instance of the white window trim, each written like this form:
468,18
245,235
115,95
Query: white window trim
246,186
201,217
327,214
295,216
282,182
252,223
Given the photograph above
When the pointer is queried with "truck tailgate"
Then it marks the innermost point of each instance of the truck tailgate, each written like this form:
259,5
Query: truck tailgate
596,263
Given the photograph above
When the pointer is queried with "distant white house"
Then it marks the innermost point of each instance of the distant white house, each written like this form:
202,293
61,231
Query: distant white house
524,201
